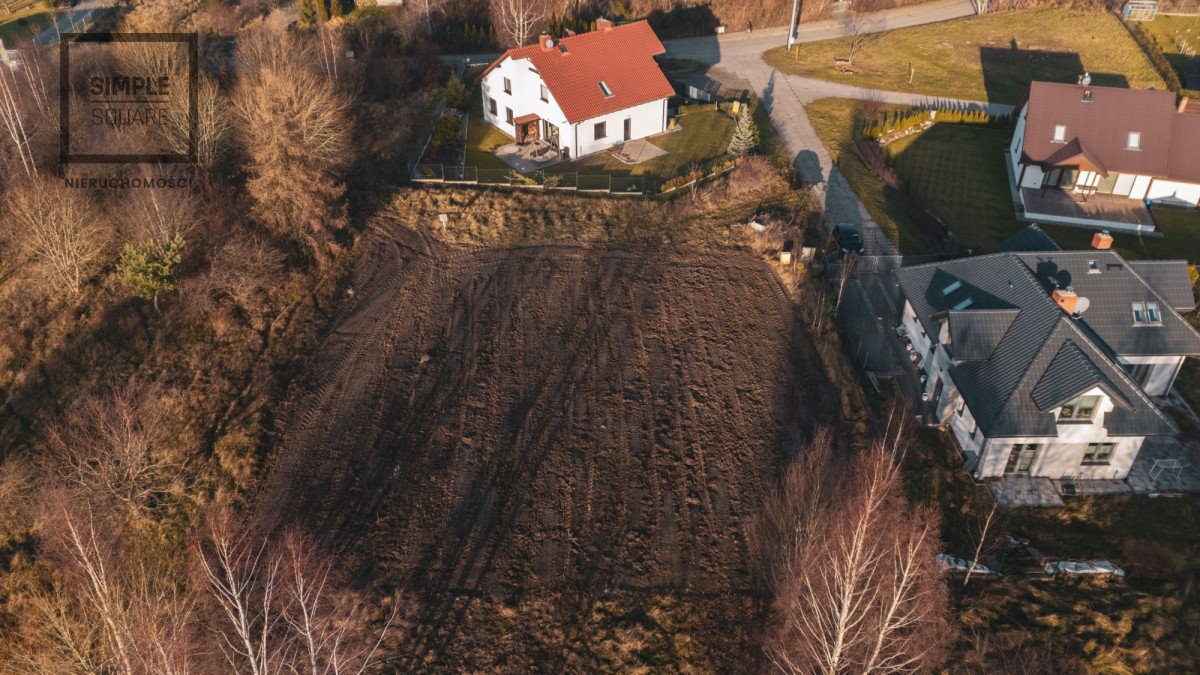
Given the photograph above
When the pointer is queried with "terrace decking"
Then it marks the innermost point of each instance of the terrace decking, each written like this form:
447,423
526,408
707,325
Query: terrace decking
1063,207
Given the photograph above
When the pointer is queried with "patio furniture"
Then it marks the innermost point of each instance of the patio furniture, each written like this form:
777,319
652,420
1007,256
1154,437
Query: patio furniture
1160,466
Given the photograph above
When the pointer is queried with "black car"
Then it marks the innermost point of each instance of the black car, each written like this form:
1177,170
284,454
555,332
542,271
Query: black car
848,237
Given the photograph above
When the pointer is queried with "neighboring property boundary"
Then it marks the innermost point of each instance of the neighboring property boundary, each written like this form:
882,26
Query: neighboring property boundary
574,181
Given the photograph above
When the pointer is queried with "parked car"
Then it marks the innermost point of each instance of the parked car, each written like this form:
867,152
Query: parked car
848,237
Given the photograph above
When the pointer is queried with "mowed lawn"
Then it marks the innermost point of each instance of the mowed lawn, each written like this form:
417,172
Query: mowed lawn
24,24
992,57
701,136
1177,35
833,120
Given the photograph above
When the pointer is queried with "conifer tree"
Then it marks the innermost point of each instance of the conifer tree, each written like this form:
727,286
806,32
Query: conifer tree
745,134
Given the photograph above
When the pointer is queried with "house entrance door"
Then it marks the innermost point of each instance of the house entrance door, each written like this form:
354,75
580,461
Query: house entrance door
550,133
1021,457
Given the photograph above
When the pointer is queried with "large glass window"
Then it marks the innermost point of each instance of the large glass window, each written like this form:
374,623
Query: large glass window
1082,408
1099,453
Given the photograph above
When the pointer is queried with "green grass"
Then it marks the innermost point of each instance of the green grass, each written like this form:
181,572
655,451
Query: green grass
1052,44
1174,34
957,173
702,136
833,120
24,24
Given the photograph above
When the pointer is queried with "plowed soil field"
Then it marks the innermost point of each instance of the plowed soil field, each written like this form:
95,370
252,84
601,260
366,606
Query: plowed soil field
544,420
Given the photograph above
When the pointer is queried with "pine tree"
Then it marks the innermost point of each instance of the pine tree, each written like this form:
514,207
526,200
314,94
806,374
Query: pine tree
745,134
149,269
307,12
336,9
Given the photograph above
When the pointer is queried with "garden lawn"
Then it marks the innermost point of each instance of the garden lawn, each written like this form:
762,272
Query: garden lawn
482,137
957,173
702,136
833,120
1174,35
24,24
992,57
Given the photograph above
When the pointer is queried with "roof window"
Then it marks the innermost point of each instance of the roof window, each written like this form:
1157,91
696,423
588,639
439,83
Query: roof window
604,88
1093,267
964,304
1060,133
1146,314
952,287
1134,141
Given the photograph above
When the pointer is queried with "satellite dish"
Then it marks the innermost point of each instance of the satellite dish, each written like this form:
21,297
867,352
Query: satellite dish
1081,305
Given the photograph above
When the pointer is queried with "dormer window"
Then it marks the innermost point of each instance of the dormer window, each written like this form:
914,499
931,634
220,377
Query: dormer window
1082,408
1060,133
604,88
1146,314
1134,141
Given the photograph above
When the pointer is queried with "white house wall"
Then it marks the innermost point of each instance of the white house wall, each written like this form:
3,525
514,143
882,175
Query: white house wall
1033,176
1062,456
1168,192
525,98
1162,374
648,119
1014,148
1140,185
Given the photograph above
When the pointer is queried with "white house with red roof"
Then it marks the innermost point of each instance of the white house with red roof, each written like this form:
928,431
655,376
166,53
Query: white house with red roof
1093,156
583,93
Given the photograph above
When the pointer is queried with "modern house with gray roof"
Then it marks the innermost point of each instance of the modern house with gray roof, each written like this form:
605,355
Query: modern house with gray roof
1046,362
1095,156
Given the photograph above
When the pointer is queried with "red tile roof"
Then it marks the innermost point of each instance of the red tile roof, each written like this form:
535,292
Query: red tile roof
621,57
1098,130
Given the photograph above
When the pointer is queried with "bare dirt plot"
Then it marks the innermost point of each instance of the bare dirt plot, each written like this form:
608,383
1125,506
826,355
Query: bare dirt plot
546,419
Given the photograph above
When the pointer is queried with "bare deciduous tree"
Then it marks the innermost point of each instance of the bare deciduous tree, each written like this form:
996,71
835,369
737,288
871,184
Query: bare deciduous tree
59,231
516,20
113,449
980,544
858,31
160,215
862,592
280,607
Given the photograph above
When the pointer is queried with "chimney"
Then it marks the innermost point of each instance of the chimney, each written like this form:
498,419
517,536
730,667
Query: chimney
603,25
567,32
546,41
1102,240
1183,104
1066,298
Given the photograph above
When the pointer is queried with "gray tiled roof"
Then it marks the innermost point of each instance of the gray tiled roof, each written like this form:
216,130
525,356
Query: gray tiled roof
974,334
999,386
1112,286
1032,238
1170,278
1070,374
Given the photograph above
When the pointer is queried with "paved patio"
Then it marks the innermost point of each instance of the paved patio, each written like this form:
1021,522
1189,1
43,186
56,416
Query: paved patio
636,152
1055,205
526,157
1148,476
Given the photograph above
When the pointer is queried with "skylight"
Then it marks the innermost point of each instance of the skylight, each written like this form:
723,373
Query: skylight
1146,313
1134,141
964,304
1060,133
604,88
952,287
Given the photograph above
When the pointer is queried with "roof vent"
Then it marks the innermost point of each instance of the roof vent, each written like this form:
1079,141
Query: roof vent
1066,298
1102,240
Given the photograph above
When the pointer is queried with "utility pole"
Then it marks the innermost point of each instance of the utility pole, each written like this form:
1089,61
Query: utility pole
792,26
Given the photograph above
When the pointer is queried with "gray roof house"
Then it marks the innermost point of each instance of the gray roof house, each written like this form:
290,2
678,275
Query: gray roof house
1046,362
